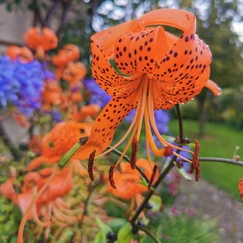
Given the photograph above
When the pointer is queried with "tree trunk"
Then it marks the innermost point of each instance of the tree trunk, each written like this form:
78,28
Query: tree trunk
202,115
8,143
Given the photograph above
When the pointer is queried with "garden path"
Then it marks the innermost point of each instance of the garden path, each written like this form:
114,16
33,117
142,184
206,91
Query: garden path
209,202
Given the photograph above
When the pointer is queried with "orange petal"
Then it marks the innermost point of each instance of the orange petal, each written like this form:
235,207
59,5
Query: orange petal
24,200
160,101
105,124
140,51
179,72
61,184
172,17
104,74
36,162
213,87
184,95
49,39
31,177
7,189
106,44
72,51
32,37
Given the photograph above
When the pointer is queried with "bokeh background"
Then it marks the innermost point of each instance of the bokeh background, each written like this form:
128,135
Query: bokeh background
216,121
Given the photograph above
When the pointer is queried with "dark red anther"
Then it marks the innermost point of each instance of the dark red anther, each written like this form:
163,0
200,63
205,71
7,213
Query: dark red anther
133,158
111,179
198,173
150,183
195,160
83,140
168,151
90,165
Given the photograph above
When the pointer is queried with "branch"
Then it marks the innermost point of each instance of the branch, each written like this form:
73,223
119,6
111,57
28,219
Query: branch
86,203
221,160
153,236
38,13
162,175
50,12
65,8
179,117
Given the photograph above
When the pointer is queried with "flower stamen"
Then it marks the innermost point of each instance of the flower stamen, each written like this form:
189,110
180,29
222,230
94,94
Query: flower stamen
90,165
111,179
150,183
133,159
195,161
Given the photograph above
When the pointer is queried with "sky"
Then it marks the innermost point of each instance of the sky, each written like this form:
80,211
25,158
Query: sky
122,9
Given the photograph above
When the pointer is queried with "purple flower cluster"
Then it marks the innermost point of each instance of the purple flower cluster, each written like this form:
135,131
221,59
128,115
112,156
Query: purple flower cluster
98,95
21,84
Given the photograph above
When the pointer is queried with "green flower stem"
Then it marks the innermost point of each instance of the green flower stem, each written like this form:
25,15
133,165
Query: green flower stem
153,236
86,204
67,156
162,175
220,160
116,151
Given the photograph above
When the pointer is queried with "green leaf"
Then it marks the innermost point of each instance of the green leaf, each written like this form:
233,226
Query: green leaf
183,173
143,182
13,239
104,228
125,233
113,64
156,202
116,223
9,7
100,238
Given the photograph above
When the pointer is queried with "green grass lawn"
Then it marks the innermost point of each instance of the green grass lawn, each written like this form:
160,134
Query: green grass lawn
219,141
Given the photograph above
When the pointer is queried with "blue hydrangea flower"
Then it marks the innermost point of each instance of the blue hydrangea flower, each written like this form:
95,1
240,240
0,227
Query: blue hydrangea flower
98,95
31,79
9,85
21,84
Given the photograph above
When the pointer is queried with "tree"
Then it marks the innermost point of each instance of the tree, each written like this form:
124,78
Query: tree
215,26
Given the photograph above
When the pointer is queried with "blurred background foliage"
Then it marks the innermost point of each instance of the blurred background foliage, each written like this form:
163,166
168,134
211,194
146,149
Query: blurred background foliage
218,24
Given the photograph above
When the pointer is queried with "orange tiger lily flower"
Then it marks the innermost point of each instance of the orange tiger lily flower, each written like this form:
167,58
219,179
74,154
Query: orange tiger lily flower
68,53
60,185
35,144
128,180
85,112
56,143
74,73
143,66
52,94
41,40
24,54
76,96
61,59
72,51
49,206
